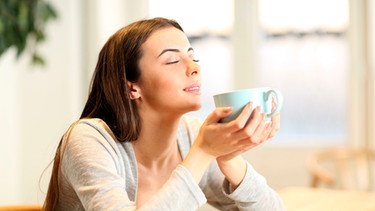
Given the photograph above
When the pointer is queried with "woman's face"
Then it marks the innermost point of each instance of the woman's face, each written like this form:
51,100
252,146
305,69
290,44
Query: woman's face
170,77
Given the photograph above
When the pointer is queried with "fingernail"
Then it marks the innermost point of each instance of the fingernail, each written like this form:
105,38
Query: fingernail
228,108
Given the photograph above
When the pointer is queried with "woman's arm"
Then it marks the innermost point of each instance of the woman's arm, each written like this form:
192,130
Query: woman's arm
245,186
252,194
254,133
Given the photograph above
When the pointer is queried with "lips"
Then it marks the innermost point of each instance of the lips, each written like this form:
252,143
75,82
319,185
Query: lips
193,88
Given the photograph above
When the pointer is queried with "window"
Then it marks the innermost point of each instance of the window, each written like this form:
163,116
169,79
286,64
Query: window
304,52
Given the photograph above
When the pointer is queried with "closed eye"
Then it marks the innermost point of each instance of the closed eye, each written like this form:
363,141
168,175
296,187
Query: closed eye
173,62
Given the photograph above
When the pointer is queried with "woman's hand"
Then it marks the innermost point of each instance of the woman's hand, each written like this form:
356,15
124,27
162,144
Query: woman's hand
225,141
264,132
235,137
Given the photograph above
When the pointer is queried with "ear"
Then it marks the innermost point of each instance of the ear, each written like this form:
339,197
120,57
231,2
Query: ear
134,90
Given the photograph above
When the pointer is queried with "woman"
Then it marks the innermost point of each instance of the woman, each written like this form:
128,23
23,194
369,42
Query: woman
133,148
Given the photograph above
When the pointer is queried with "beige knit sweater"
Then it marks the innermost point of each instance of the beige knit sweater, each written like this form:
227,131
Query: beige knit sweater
100,173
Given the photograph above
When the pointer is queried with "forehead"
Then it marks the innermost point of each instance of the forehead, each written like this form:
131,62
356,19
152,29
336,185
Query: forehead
169,37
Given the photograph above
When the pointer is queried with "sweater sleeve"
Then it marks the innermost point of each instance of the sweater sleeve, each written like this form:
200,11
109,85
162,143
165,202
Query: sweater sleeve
253,193
91,168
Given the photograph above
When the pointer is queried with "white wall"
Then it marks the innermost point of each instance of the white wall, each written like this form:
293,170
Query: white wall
371,76
10,158
286,165
38,103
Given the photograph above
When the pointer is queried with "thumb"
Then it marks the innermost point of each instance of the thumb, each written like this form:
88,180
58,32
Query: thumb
218,114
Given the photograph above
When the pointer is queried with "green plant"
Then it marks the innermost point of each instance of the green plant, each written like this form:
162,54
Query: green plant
22,24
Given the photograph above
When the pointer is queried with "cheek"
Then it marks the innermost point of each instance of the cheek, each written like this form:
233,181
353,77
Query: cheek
164,80
158,82
158,97
160,88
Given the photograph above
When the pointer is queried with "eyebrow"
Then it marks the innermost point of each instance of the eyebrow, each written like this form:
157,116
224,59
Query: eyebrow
173,50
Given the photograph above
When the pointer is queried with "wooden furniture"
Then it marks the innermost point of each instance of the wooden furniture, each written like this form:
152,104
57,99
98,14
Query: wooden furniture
313,199
343,168
21,207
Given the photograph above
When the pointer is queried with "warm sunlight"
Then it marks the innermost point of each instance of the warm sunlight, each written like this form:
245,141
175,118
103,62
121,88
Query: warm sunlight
286,15
194,17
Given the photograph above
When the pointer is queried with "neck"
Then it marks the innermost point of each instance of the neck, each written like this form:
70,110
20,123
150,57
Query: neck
157,143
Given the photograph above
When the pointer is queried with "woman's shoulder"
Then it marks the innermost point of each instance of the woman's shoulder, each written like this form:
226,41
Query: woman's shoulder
89,131
91,125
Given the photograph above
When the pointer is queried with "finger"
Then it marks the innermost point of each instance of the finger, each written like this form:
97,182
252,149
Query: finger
218,114
242,119
258,135
267,132
275,121
261,134
252,125
240,122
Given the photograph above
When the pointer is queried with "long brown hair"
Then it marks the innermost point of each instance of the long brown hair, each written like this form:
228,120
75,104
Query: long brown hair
109,97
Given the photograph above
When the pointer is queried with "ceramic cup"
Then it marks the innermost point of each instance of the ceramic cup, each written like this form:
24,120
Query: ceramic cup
258,96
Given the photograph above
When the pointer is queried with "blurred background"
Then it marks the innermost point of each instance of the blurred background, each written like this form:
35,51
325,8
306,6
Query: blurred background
319,53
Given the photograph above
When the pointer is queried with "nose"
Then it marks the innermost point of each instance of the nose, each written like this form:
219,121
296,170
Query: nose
193,69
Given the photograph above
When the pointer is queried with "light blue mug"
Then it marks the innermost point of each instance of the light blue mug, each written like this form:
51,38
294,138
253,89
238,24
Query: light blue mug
258,96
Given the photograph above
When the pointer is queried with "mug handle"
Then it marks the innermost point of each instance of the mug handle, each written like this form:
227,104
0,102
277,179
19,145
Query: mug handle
279,100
